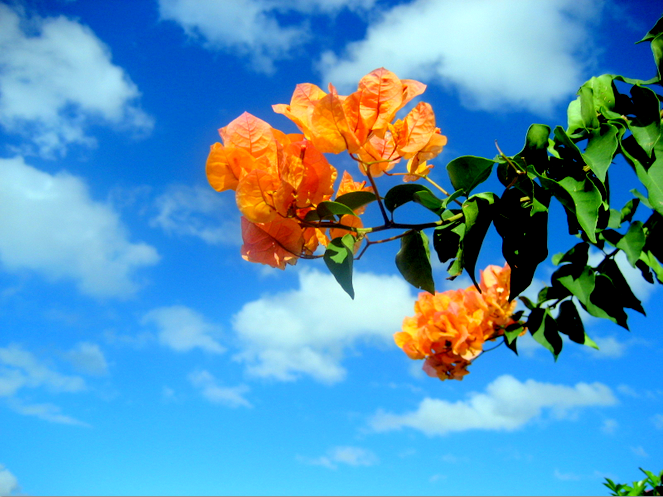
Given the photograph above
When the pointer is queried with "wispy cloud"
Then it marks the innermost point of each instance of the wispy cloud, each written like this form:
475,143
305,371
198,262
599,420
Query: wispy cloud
346,455
199,212
20,369
305,331
49,224
507,405
56,78
183,329
212,391
88,358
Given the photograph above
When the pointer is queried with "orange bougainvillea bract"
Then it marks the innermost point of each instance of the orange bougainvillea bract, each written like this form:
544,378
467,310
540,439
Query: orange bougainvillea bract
449,329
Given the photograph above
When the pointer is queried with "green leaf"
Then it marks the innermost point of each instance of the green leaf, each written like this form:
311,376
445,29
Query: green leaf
653,32
601,148
580,197
355,200
339,259
468,171
633,242
413,261
570,323
649,171
544,330
588,115
327,209
577,255
535,151
646,127
429,201
402,194
581,284
479,213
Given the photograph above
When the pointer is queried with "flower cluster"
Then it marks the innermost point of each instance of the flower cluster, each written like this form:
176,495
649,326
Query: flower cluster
279,178
450,328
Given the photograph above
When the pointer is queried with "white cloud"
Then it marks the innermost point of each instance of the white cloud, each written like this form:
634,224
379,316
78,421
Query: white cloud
49,224
497,53
351,456
305,331
88,358
229,396
8,482
507,405
56,77
183,329
200,212
250,27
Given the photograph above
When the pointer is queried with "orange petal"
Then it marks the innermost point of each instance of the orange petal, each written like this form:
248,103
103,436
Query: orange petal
251,134
276,243
381,95
255,196
300,110
329,127
419,127
225,166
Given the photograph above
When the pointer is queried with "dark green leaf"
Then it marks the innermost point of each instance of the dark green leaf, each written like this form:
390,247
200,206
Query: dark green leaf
479,213
570,323
649,171
413,261
625,295
355,200
544,330
446,241
402,194
468,171
339,259
524,234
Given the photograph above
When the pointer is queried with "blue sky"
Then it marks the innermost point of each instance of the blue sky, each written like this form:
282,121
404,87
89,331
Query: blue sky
140,354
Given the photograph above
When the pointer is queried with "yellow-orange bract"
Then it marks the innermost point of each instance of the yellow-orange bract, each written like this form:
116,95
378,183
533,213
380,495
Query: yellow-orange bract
449,329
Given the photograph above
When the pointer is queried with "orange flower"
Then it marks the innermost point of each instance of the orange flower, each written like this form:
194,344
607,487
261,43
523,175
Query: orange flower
450,328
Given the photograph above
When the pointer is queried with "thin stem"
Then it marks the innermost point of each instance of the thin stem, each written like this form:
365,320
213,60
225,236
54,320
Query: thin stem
377,195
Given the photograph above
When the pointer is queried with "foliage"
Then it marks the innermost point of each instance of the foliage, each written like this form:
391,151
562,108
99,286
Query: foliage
284,187
638,487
